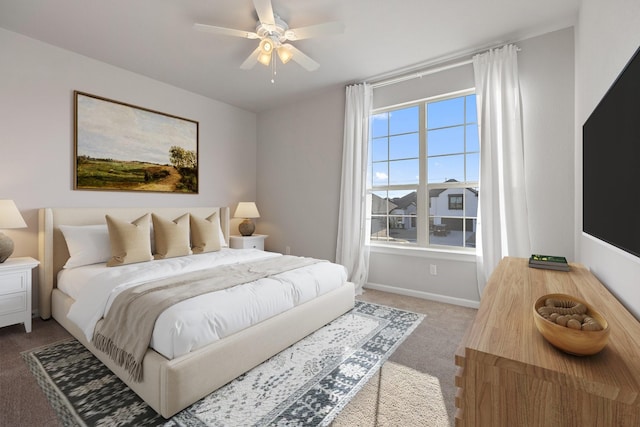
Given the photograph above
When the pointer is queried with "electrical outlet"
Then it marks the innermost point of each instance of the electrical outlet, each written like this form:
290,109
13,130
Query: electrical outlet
433,270
287,250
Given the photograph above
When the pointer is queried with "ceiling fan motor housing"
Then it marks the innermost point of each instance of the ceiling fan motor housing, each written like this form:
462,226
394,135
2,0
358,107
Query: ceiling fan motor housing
276,33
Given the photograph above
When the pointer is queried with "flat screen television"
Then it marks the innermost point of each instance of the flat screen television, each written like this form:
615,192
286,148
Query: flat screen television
611,163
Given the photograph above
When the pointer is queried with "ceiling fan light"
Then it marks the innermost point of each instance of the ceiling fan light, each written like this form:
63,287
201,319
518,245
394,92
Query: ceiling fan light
284,54
264,58
266,46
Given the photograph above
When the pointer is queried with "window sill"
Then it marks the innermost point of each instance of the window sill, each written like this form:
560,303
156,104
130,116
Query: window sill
418,252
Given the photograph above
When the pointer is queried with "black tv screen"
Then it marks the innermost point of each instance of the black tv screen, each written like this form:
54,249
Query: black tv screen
611,163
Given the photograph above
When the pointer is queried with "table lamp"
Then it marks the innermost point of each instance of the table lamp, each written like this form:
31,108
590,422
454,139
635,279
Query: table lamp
246,210
9,218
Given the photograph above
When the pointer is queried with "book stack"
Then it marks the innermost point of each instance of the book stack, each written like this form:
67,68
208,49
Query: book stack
549,262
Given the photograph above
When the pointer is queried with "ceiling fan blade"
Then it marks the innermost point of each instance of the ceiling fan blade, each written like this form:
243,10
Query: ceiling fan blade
264,11
251,60
302,59
225,31
315,30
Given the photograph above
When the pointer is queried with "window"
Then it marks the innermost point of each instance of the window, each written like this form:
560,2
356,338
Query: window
423,173
455,202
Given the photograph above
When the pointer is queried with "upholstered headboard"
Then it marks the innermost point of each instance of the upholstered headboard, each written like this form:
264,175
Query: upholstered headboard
53,250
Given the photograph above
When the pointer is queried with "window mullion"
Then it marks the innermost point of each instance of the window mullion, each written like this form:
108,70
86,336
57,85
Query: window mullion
422,220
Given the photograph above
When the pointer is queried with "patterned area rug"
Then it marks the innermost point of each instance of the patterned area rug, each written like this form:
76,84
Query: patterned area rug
307,384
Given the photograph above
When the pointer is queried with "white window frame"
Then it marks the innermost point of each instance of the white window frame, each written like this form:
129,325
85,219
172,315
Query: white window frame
422,188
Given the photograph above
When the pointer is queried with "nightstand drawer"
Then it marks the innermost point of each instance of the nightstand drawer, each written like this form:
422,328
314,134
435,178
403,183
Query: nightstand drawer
255,241
13,282
14,303
15,291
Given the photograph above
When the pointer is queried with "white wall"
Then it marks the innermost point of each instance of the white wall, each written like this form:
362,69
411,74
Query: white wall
299,168
607,36
455,79
546,66
37,82
299,164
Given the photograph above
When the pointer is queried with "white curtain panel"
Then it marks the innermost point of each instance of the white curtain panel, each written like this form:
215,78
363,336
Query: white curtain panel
353,231
503,227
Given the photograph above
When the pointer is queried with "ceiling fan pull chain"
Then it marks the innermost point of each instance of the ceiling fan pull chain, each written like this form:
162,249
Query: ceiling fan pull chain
273,68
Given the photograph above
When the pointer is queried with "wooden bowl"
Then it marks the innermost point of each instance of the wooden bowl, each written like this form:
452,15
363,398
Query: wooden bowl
572,341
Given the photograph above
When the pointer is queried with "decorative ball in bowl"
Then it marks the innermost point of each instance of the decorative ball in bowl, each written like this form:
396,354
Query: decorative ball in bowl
570,324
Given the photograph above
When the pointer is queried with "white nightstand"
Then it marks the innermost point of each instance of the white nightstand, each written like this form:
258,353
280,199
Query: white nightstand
15,291
255,241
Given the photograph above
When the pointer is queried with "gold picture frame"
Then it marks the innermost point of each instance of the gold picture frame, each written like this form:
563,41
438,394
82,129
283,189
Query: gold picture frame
123,147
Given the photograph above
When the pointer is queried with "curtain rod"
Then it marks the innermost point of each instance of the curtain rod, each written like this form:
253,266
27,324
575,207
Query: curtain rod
431,70
417,75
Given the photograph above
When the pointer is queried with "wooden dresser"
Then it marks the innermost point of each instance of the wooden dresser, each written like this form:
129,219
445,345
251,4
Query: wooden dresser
508,375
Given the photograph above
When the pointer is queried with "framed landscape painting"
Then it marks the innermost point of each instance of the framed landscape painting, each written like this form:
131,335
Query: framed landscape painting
122,147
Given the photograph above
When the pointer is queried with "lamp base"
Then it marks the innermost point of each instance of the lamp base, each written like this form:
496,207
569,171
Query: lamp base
6,247
247,227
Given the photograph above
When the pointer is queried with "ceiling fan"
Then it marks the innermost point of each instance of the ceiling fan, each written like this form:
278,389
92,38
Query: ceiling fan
274,33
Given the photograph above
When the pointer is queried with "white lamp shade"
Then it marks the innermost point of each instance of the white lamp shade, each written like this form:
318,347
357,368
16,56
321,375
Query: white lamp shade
246,210
10,215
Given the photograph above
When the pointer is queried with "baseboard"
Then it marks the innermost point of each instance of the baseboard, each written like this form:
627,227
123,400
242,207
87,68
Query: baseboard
424,295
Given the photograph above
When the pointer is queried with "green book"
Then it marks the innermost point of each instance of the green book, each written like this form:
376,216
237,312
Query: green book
547,260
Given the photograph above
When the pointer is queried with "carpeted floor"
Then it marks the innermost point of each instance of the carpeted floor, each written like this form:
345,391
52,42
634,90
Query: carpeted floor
416,385
397,396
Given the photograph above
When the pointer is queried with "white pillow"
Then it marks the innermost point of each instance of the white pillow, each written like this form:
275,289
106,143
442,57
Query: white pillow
223,243
87,244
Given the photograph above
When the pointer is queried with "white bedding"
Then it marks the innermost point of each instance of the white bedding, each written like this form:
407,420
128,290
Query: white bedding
198,321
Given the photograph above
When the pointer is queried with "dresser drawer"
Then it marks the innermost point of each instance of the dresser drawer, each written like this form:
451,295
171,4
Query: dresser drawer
12,282
13,303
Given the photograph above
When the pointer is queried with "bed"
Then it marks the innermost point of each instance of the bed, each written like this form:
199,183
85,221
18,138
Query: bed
170,384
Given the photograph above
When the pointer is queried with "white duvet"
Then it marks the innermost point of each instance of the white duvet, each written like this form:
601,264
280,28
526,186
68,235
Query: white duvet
198,321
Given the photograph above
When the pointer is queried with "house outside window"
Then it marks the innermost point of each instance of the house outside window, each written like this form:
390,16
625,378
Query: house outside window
423,173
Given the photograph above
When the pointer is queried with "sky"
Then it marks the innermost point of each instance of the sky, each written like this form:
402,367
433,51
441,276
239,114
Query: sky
109,130
451,124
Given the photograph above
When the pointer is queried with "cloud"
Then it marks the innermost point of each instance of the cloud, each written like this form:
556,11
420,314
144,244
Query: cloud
381,175
115,131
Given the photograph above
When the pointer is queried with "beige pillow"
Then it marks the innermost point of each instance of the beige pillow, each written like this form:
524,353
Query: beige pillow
130,242
205,234
171,237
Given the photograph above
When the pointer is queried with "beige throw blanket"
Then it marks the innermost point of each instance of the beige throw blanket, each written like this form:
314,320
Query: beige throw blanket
126,331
